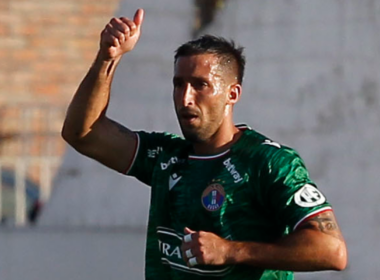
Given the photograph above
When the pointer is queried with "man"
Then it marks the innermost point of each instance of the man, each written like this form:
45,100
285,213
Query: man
226,202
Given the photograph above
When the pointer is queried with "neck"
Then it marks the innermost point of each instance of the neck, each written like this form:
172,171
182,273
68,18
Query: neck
221,141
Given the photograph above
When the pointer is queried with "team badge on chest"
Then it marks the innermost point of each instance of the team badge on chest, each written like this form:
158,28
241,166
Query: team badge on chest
213,197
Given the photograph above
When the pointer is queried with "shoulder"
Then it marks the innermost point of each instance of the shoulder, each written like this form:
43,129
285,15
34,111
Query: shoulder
157,142
256,142
160,136
265,152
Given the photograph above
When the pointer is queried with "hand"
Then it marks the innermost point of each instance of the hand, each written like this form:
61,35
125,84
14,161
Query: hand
120,35
206,247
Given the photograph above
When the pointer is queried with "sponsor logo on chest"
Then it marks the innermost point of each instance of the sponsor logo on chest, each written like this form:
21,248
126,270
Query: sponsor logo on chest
232,169
171,161
165,165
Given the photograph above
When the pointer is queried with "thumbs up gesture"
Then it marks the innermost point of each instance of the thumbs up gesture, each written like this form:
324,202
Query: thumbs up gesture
120,35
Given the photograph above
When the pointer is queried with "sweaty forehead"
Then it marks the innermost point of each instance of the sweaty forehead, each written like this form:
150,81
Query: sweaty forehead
202,64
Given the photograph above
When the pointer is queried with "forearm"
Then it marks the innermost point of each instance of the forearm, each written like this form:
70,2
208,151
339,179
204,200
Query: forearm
91,99
306,250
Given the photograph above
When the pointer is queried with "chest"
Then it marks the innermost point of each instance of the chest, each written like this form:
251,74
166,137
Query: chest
211,195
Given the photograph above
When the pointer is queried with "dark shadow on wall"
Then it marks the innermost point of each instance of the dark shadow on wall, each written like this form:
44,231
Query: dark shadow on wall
205,11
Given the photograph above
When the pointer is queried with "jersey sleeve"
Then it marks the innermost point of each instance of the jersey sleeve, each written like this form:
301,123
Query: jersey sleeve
291,195
147,153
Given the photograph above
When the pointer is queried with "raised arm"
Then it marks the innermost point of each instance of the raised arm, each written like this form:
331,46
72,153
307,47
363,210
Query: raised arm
317,244
86,127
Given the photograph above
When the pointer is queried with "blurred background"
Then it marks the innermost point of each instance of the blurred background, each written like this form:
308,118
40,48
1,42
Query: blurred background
312,82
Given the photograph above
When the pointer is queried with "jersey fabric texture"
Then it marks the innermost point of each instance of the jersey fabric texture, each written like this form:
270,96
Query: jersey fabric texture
256,191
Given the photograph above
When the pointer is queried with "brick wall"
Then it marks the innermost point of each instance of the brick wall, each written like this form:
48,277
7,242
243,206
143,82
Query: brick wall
47,46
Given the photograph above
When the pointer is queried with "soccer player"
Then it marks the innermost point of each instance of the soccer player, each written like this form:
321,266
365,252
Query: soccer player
226,201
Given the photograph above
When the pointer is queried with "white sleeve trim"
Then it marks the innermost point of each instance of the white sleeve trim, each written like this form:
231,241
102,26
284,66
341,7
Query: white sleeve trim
135,155
311,214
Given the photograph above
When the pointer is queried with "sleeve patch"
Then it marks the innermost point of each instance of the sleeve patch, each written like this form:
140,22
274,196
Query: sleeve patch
153,153
271,143
309,196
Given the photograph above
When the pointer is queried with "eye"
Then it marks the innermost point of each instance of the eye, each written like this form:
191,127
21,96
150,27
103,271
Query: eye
199,85
177,83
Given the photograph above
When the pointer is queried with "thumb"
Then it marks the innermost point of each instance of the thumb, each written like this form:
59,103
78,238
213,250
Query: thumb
139,17
186,230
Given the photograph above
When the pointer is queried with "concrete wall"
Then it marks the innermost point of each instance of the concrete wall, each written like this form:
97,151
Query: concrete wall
76,254
312,83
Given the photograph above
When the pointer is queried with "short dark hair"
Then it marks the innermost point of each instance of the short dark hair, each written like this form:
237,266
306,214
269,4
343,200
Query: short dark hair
226,51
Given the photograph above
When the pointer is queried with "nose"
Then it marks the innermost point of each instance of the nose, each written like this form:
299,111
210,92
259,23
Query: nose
187,95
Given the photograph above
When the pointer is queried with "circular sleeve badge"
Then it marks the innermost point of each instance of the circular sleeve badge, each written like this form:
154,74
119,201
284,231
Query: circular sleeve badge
309,196
213,197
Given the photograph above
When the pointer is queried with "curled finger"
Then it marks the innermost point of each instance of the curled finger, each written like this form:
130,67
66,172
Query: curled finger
193,262
129,24
189,254
187,238
109,40
117,34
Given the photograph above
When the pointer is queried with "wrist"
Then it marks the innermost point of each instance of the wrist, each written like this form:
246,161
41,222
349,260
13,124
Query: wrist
105,65
241,252
102,58
231,252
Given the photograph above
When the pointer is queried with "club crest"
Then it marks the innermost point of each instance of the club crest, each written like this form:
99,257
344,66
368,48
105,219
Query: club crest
213,197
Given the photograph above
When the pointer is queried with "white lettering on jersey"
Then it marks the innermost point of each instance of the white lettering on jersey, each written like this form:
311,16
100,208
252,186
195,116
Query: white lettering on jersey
165,165
167,250
231,168
176,252
271,143
154,152
173,179
309,196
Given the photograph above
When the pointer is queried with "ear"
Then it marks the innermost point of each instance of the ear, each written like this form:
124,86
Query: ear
234,94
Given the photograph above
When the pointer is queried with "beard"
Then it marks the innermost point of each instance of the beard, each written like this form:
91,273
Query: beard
193,135
202,132
205,124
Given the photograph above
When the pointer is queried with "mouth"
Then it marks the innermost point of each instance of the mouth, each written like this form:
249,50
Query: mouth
188,117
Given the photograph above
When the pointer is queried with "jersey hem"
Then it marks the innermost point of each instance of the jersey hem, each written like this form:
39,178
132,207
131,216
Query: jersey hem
136,150
314,213
197,271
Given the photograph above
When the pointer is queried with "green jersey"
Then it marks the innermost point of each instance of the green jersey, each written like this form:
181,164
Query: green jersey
256,191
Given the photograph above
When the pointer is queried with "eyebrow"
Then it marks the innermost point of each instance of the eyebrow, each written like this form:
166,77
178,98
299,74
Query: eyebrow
191,79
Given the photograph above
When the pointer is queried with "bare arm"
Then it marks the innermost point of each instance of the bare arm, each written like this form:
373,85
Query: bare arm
86,126
317,244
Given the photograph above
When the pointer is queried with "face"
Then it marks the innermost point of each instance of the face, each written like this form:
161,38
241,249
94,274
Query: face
200,96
